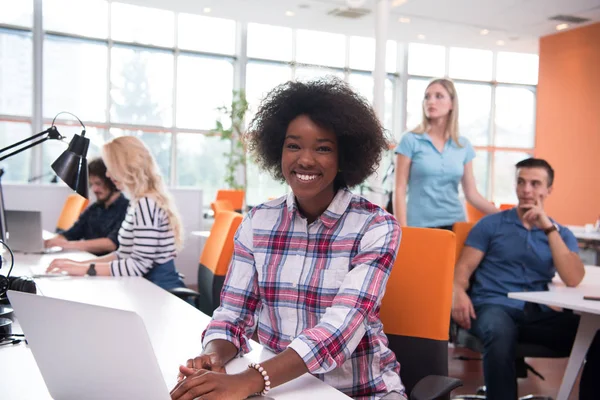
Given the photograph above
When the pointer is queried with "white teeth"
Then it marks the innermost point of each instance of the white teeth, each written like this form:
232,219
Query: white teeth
306,177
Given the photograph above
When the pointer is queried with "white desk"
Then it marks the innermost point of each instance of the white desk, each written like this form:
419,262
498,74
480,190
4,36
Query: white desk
572,298
174,327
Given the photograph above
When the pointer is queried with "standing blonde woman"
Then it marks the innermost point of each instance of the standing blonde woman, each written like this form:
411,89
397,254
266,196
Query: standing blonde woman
431,161
151,233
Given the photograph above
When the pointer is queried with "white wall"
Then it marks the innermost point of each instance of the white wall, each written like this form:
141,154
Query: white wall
49,199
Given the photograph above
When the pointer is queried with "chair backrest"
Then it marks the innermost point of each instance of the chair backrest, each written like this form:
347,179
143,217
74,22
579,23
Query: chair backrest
221,205
461,230
215,259
506,206
415,310
473,214
71,210
236,197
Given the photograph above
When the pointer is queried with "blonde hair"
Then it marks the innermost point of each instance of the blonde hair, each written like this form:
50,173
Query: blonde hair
129,161
452,123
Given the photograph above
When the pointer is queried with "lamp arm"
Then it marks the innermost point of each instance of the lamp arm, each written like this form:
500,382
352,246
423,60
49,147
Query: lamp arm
52,134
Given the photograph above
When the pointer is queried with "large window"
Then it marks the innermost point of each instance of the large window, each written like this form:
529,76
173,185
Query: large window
162,75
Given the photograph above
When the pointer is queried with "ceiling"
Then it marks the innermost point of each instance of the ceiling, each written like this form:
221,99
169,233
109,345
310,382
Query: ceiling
518,24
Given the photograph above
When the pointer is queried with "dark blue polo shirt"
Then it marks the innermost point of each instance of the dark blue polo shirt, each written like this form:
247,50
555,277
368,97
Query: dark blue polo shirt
99,222
516,259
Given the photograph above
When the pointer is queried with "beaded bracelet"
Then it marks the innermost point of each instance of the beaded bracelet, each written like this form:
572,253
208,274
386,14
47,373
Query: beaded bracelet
265,376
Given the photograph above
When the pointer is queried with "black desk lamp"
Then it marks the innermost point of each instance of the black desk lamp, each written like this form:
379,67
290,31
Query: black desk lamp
71,165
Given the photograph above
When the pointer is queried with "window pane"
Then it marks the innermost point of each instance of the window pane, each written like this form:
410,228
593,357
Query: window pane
16,73
75,78
475,102
18,13
414,102
201,163
91,20
504,175
515,117
391,56
261,186
213,35
261,78
517,68
16,168
471,64
141,86
142,25
203,84
307,73
52,149
362,54
426,59
269,42
331,49
481,168
159,144
363,84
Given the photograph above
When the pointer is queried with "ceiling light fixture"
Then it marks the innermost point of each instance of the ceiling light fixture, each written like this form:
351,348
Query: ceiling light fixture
289,14
398,3
561,27
404,20
207,10
500,42
421,36
484,32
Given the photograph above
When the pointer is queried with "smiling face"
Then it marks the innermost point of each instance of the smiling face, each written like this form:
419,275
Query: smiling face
437,102
309,163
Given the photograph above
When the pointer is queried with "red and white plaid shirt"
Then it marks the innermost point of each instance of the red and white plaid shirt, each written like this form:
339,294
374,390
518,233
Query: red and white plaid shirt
317,289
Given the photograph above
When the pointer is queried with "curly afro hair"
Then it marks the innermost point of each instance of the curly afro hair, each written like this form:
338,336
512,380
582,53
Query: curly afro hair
332,105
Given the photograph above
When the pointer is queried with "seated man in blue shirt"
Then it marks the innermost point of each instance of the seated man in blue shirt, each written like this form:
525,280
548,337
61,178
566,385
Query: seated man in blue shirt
513,251
97,227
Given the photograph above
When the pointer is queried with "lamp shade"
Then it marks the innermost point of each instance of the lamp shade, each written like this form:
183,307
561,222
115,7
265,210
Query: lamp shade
72,167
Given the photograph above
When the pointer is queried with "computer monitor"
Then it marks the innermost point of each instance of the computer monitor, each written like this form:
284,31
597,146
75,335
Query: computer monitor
2,213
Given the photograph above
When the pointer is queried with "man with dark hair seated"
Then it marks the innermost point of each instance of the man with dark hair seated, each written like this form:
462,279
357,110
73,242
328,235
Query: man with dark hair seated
97,228
514,251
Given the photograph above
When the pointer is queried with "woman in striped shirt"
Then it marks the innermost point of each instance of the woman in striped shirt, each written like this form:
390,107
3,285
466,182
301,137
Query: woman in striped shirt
309,269
151,233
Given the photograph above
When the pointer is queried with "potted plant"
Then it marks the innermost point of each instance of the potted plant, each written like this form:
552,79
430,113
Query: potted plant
235,173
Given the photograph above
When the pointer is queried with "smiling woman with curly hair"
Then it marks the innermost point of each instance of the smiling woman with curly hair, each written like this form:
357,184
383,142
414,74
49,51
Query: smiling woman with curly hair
309,269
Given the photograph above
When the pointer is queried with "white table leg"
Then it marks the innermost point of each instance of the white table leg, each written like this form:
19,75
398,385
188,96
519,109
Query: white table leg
588,326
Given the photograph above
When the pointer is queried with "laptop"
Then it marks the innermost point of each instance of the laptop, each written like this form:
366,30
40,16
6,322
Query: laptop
89,352
24,232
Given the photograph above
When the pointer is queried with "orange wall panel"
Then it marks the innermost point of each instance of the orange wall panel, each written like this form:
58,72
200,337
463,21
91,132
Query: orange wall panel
568,122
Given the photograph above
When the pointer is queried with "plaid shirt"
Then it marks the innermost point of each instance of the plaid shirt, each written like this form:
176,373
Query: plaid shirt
315,288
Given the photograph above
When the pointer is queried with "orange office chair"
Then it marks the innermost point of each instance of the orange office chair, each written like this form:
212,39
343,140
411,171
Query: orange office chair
73,207
221,205
461,230
236,197
473,214
214,263
506,206
415,311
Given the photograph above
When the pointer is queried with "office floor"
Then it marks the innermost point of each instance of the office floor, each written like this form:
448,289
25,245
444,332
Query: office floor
471,373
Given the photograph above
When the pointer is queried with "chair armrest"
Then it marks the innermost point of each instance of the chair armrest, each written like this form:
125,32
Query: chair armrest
434,386
184,293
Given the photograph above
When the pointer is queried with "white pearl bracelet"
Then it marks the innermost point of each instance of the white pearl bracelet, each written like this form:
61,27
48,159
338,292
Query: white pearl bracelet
265,376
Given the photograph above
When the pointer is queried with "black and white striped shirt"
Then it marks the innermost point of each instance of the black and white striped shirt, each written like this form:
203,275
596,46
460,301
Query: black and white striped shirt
146,239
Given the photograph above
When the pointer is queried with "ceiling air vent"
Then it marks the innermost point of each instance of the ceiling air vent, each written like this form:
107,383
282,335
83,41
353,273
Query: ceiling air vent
346,12
570,19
